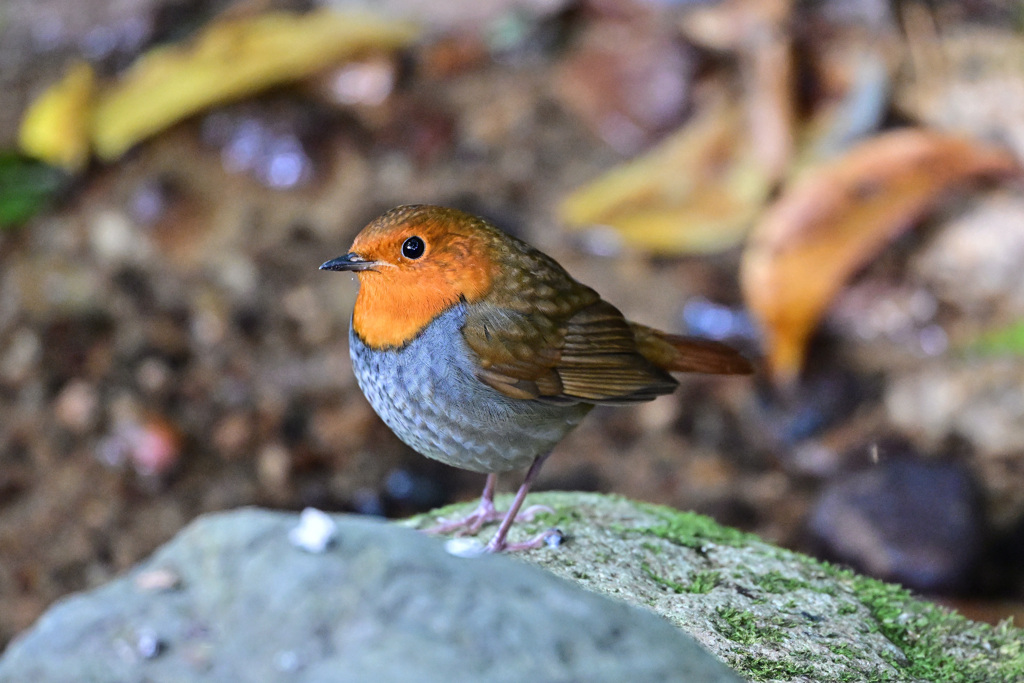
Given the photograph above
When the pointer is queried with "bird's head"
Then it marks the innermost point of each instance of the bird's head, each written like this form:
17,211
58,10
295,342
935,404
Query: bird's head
414,263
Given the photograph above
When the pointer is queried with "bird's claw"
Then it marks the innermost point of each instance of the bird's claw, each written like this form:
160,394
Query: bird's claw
550,537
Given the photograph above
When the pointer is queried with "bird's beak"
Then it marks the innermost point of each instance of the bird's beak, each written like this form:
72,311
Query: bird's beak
350,261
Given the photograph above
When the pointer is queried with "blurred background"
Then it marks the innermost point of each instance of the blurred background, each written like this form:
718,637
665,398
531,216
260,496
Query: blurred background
831,185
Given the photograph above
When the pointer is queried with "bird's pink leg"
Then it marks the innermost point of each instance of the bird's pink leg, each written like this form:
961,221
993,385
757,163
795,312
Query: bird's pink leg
470,524
484,513
498,543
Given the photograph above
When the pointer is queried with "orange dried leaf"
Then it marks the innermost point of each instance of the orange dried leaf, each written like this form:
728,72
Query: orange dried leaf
834,218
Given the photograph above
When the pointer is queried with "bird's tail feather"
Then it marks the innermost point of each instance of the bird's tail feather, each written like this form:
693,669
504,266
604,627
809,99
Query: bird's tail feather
677,353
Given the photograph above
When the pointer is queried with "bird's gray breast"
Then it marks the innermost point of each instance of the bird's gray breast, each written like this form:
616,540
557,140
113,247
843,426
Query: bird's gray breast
428,394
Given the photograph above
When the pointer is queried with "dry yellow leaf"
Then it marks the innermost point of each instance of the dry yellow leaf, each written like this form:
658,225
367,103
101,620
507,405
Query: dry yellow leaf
55,128
835,217
230,59
697,191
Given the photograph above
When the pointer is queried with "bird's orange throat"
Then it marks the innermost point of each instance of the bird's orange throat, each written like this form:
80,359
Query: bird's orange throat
393,305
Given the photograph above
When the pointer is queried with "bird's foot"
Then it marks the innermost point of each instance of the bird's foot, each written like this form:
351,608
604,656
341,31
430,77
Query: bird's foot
485,513
550,537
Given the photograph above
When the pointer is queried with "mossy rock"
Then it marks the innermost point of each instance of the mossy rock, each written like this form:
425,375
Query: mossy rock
771,614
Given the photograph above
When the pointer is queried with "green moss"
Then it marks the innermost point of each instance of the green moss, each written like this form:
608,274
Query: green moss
928,637
703,581
700,582
691,529
844,650
763,669
742,627
563,515
661,580
776,582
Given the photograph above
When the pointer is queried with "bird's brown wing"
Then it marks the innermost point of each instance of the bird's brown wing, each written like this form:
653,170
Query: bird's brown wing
561,341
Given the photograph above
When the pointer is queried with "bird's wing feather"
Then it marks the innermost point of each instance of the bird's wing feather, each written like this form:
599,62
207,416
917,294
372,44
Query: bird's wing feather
600,361
558,340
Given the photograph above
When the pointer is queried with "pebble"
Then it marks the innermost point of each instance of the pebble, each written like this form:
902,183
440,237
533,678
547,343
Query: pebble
76,406
273,467
115,239
21,356
233,434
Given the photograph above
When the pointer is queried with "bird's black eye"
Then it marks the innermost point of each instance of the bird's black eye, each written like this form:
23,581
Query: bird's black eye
413,247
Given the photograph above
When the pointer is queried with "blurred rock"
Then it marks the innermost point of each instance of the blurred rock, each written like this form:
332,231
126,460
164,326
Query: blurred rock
366,82
828,394
442,17
383,604
21,352
452,55
412,489
877,312
917,523
274,469
628,81
270,144
964,77
974,261
979,399
76,406
233,434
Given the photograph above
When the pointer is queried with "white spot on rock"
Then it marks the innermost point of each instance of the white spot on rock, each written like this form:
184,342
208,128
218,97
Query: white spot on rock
315,531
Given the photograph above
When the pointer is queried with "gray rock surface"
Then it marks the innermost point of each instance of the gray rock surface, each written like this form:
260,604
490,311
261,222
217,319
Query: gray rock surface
230,599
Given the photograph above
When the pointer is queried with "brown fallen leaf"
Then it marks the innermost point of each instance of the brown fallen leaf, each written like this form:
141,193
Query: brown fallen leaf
697,191
835,217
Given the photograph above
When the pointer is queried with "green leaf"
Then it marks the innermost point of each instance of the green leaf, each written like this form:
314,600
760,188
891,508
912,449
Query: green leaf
26,187
1003,341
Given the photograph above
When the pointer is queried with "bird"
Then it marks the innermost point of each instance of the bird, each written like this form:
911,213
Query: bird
482,352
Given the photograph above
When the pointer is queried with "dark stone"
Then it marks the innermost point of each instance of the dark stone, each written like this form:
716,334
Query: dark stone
906,520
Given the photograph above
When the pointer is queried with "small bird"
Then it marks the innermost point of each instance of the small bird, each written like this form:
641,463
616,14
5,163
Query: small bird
482,352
